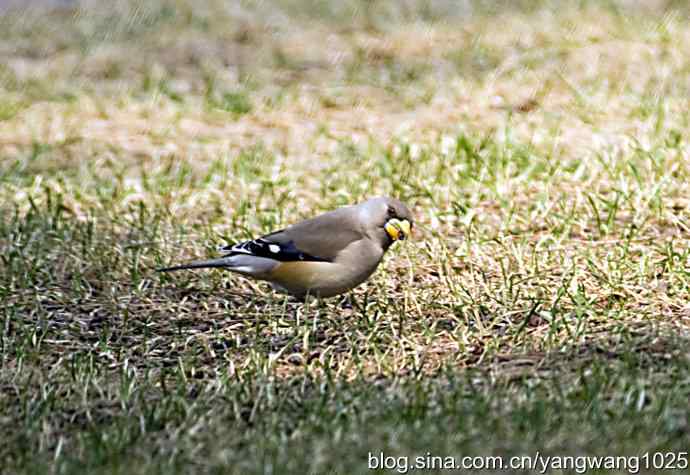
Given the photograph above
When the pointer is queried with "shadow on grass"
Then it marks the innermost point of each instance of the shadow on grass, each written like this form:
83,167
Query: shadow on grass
82,412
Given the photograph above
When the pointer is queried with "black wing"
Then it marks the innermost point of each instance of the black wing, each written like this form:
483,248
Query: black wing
279,251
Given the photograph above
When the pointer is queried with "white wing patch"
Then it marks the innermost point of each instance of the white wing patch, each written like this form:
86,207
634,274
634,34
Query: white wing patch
240,248
274,248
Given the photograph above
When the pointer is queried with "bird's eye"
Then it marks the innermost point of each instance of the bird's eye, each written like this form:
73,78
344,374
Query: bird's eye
391,212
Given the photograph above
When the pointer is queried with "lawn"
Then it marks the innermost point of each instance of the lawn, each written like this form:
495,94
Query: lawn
542,304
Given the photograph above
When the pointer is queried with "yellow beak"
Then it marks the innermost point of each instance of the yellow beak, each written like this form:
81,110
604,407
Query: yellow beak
398,229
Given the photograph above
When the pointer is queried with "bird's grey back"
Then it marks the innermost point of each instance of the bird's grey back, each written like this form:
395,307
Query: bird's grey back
323,236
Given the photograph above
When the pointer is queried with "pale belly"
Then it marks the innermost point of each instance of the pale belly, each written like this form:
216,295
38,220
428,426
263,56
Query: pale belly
322,279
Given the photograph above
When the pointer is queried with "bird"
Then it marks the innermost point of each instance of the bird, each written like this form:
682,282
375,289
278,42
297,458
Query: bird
324,256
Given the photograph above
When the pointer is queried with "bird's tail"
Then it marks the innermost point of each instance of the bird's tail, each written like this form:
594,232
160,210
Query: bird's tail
221,262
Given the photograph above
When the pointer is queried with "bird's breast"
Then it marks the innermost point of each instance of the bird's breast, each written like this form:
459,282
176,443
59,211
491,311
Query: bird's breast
351,267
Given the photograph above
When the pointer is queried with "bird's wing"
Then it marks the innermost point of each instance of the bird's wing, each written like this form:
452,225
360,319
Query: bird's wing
317,239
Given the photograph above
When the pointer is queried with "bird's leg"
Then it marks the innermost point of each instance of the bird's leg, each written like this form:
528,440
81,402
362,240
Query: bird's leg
312,303
299,309
306,302
310,307
290,307
319,307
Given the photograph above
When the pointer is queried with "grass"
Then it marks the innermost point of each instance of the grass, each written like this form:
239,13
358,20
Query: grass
541,306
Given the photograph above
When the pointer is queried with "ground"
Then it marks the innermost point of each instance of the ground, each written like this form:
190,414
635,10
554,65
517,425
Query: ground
541,304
